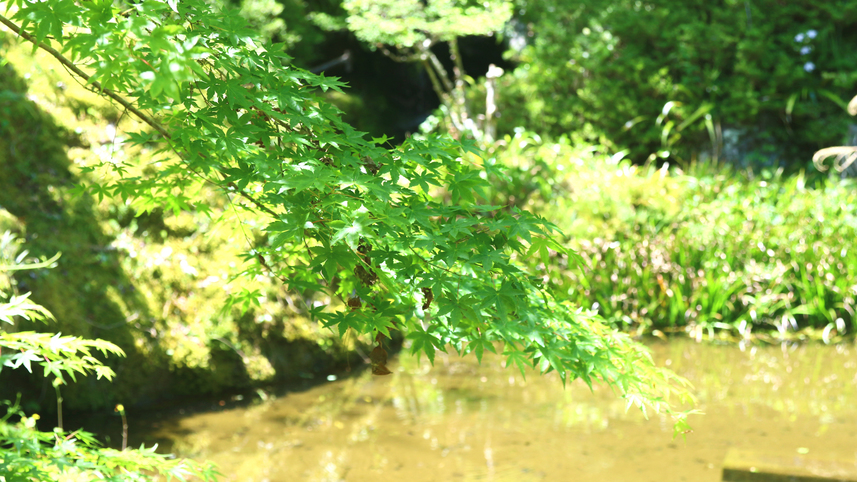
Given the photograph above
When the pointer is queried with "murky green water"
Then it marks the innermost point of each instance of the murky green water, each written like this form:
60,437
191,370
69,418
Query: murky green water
464,422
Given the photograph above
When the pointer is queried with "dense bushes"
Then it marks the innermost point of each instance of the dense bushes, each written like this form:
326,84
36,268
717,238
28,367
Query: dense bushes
770,74
708,249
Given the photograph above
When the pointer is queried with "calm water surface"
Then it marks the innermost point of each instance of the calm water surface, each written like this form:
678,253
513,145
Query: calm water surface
461,421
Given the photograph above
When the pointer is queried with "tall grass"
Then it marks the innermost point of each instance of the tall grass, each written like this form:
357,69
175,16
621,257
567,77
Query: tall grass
709,251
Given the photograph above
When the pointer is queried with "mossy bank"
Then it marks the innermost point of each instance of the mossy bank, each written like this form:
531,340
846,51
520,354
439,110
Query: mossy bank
155,284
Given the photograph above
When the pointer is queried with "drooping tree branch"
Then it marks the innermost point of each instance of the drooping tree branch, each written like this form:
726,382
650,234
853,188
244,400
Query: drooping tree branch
468,261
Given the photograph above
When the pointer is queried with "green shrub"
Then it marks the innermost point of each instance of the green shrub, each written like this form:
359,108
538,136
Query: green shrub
770,74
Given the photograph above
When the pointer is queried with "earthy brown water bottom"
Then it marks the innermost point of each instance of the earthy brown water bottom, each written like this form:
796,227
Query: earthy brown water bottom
461,421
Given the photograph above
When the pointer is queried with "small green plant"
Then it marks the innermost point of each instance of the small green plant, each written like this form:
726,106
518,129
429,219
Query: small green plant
27,453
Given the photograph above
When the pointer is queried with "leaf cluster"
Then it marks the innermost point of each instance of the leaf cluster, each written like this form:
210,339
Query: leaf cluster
407,23
30,454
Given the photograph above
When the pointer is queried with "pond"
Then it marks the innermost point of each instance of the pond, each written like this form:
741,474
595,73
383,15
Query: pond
465,422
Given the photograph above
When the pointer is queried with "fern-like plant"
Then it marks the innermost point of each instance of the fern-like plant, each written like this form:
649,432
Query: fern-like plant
29,454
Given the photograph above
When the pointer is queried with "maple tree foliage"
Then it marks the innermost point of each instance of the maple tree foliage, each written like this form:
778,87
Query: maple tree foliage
400,237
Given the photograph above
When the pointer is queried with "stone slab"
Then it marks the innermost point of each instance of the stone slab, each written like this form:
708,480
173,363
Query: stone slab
752,466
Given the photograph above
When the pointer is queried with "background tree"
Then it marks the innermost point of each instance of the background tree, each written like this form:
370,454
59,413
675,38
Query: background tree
767,80
409,31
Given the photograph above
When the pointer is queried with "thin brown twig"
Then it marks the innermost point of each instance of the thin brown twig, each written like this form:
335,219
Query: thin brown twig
70,65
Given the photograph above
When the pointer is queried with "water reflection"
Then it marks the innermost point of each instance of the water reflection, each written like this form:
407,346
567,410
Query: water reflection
460,421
